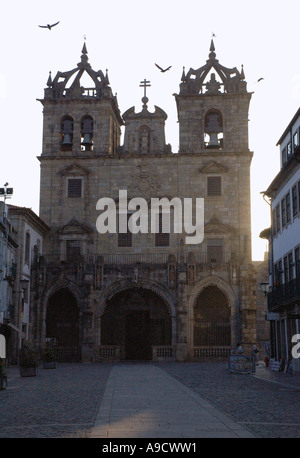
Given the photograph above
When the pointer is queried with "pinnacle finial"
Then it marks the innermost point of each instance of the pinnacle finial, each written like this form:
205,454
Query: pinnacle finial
242,73
84,50
183,74
212,45
49,82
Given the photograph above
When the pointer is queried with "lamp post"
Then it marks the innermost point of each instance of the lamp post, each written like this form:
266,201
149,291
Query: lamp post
265,288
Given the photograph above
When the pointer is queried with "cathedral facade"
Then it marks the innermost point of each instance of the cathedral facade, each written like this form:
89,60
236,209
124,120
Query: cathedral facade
108,288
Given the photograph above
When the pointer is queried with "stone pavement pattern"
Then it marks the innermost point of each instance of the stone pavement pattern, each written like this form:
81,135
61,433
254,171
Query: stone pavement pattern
68,401
60,402
267,403
143,401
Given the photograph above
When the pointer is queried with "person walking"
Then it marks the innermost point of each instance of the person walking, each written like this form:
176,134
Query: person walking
254,352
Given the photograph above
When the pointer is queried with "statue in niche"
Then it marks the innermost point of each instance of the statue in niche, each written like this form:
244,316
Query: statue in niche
191,274
172,277
135,276
144,141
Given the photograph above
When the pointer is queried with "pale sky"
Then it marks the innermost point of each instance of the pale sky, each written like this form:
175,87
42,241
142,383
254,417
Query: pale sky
127,38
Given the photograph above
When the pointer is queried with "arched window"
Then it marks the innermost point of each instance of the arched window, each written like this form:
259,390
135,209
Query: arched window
87,133
213,129
66,133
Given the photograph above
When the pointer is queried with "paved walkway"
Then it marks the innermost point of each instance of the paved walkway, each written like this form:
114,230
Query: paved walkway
143,401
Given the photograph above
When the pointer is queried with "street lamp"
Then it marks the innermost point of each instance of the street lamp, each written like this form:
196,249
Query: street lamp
265,288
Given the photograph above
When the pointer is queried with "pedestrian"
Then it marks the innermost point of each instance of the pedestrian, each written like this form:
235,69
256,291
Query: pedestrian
239,349
254,353
267,353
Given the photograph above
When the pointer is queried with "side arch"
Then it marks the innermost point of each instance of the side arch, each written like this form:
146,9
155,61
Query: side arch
229,294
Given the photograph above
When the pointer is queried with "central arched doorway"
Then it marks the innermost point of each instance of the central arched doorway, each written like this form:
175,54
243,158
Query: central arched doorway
136,320
212,323
62,325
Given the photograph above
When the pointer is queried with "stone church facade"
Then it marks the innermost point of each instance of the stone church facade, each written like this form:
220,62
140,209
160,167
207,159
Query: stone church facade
144,296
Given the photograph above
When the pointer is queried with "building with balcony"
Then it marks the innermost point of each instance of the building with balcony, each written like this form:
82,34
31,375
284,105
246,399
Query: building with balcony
8,276
284,237
110,285
30,230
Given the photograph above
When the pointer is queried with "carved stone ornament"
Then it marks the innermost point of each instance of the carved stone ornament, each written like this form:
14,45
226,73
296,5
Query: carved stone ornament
145,182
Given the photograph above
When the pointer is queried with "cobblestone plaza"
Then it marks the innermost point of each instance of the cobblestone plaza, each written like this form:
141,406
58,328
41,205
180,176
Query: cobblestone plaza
66,402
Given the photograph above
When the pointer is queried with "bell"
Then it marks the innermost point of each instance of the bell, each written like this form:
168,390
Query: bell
213,140
67,140
87,140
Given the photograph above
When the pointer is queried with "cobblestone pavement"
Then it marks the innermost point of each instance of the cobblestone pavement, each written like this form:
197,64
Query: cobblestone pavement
65,402
60,402
267,403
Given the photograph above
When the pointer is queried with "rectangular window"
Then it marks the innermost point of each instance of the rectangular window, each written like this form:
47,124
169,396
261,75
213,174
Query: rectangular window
214,186
286,269
294,200
288,207
215,250
74,187
283,156
290,260
295,140
162,238
274,228
27,248
297,262
73,249
125,239
289,150
277,219
283,213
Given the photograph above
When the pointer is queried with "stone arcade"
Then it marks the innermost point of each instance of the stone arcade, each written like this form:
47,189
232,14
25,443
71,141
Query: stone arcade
144,296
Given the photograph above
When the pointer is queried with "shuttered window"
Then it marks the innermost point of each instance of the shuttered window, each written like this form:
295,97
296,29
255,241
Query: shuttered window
214,250
74,187
213,186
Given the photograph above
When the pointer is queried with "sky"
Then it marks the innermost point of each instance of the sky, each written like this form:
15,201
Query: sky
128,38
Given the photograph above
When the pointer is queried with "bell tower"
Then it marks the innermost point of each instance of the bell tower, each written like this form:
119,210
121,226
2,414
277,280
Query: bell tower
81,122
212,107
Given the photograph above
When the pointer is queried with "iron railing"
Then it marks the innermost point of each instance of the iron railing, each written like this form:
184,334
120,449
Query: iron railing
284,294
133,258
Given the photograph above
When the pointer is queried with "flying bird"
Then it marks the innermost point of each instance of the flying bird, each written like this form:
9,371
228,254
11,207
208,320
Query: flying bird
48,26
260,79
163,70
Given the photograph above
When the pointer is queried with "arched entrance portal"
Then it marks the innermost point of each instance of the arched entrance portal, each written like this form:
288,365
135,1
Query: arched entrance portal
136,320
62,325
212,326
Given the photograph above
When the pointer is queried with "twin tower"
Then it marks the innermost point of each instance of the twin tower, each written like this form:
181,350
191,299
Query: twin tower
147,295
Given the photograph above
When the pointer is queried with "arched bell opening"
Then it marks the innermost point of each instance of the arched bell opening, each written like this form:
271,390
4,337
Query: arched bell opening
213,129
66,133
87,127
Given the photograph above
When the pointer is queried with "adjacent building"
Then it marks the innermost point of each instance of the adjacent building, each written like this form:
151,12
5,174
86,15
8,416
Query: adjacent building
30,230
8,276
284,237
148,292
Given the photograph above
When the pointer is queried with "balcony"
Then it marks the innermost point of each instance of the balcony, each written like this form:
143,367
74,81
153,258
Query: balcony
134,258
11,272
283,295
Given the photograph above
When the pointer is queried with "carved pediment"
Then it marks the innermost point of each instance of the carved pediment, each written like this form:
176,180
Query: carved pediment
213,167
214,226
74,170
74,227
